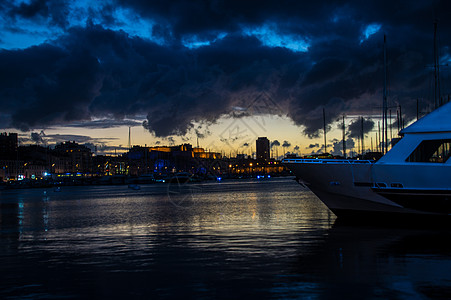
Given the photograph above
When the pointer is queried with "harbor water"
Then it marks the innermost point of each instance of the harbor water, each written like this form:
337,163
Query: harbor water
251,238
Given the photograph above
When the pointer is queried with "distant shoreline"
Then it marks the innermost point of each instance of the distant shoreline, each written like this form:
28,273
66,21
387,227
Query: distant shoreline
125,180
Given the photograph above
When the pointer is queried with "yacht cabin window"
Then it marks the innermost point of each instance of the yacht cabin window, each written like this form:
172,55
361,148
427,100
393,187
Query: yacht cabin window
434,151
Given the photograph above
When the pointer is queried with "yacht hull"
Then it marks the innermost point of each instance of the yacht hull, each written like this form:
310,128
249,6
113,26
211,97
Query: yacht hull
346,188
435,201
344,206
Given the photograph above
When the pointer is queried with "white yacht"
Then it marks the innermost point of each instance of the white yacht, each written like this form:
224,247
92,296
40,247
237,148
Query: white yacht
413,178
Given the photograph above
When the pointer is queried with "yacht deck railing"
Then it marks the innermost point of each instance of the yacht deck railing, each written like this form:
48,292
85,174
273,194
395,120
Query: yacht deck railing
327,161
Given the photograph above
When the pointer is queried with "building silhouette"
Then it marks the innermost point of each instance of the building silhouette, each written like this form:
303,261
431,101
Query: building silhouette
71,163
263,150
8,145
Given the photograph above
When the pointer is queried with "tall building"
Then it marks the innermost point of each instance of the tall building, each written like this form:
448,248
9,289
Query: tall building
8,145
263,150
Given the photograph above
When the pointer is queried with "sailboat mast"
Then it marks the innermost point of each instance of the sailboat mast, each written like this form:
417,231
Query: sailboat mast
384,105
372,149
379,140
129,139
401,121
324,124
437,99
344,138
363,135
391,126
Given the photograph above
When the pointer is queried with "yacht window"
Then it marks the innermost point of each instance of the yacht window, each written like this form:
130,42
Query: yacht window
435,151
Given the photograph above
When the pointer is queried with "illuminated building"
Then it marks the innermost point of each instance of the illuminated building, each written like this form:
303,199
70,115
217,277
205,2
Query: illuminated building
35,160
70,157
201,153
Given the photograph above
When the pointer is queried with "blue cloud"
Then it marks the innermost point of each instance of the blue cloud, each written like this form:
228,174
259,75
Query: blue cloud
269,36
370,30
193,42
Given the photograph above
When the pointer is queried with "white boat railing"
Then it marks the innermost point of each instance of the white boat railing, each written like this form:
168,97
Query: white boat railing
327,161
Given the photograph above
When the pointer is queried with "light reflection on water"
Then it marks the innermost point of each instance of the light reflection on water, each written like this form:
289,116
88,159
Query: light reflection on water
270,239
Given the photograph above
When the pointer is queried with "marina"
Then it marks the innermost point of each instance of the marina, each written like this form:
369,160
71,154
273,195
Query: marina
225,150
239,238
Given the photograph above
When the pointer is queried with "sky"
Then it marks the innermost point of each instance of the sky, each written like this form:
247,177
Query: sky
219,72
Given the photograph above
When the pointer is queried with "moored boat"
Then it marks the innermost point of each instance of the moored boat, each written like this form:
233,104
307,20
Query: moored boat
413,178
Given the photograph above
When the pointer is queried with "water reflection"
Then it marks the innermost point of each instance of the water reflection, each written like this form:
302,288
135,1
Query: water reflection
370,262
10,218
236,239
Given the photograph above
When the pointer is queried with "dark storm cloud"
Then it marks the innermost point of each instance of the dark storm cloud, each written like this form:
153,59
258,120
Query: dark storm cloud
97,72
81,139
200,17
355,128
312,146
54,12
106,123
98,147
46,85
91,72
32,9
275,143
201,132
37,137
286,144
337,147
99,144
